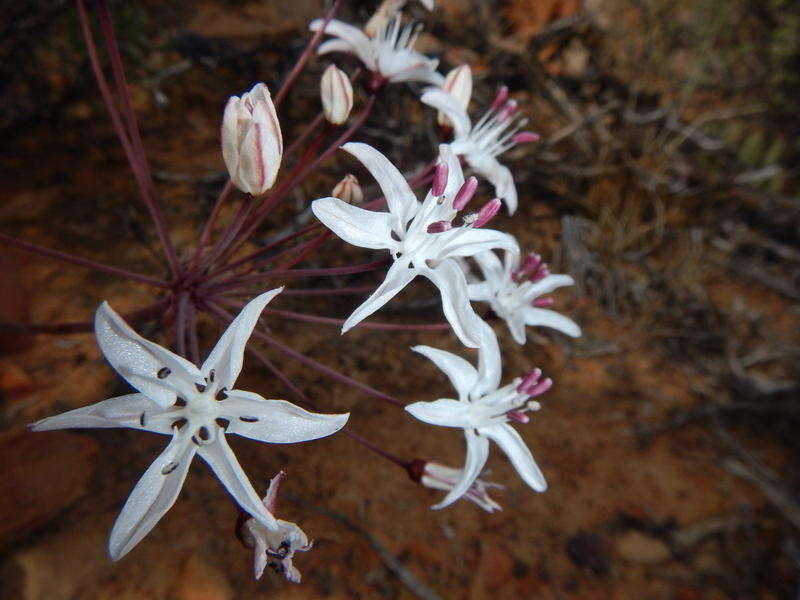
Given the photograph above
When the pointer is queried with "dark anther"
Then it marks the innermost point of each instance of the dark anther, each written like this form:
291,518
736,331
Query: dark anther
200,387
195,441
274,566
203,433
179,423
141,419
211,376
222,422
163,372
169,468
221,394
180,401
248,419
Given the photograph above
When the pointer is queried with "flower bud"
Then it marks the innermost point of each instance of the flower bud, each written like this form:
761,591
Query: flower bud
252,144
337,95
457,83
348,190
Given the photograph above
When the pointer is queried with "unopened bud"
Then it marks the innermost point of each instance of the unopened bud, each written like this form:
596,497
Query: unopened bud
336,94
348,190
465,193
252,144
457,83
487,212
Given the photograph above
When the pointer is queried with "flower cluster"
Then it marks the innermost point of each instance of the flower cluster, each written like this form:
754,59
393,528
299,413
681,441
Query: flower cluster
443,238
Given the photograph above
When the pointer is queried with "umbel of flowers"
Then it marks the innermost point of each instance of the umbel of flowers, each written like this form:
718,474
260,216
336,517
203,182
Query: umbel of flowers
447,235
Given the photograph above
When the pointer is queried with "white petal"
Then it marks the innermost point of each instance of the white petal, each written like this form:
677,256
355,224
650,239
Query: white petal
541,317
222,461
153,496
449,106
227,356
490,366
547,285
276,421
516,325
136,411
230,142
491,267
399,198
442,412
498,175
449,278
356,226
481,291
461,374
139,361
518,453
260,549
458,242
455,174
424,71
477,453
398,277
356,39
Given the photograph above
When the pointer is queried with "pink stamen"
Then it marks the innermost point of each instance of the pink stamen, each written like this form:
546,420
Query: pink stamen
439,179
543,302
529,380
500,99
465,193
519,417
487,212
508,110
541,273
525,137
540,388
439,227
530,264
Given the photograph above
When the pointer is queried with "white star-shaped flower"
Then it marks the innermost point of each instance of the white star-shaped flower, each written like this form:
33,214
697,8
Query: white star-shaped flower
517,293
420,236
496,132
197,407
483,411
441,477
389,55
276,547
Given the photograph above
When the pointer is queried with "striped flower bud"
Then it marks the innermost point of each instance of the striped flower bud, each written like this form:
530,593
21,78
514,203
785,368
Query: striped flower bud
337,95
457,83
252,144
348,190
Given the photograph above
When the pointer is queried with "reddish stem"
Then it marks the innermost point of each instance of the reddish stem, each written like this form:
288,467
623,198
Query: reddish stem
343,291
84,262
365,324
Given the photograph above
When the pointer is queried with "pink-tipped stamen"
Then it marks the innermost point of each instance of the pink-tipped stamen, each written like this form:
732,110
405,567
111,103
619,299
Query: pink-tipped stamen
508,111
439,227
529,380
540,388
525,137
530,264
500,99
487,212
439,179
465,193
518,416
541,273
543,302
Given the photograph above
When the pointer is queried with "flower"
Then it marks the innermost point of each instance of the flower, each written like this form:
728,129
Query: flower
252,144
483,410
457,83
348,190
197,407
516,293
386,11
276,547
496,132
442,477
390,55
420,236
336,94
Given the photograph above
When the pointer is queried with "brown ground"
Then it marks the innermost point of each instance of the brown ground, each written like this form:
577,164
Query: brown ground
639,506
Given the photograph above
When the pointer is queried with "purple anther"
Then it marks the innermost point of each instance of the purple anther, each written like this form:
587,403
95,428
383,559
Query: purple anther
465,193
439,227
487,212
540,388
543,302
541,273
439,179
525,137
518,416
508,110
500,99
530,264
529,380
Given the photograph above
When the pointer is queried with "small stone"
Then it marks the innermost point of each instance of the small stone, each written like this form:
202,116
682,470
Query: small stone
639,548
44,474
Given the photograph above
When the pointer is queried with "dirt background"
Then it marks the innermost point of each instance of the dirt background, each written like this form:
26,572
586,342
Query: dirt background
669,439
